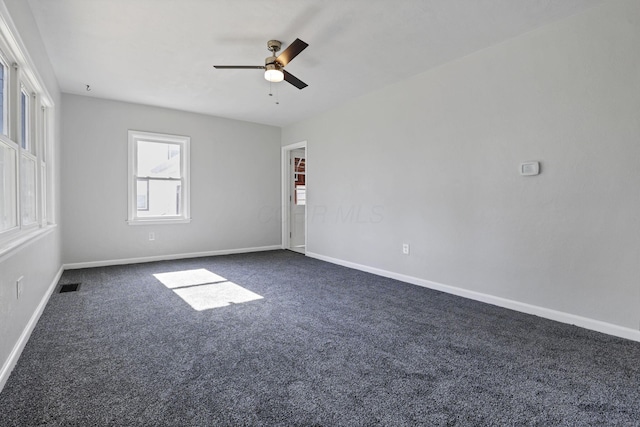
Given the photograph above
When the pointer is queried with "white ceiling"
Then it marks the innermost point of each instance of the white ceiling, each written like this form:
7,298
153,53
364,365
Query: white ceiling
161,52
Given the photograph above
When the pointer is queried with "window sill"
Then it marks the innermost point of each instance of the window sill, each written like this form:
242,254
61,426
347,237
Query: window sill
158,221
20,240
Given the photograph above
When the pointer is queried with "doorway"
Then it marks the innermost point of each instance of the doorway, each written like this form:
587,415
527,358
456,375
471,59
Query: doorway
294,191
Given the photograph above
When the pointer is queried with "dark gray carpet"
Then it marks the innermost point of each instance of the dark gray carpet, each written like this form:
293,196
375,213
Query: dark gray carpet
326,346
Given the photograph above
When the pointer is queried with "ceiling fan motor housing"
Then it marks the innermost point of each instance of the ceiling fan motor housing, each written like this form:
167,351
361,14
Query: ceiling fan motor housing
271,63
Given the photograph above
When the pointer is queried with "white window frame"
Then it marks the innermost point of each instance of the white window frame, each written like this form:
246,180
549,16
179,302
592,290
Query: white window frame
21,72
184,143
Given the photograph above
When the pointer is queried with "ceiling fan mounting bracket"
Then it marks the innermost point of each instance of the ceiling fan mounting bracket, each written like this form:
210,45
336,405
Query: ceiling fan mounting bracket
274,45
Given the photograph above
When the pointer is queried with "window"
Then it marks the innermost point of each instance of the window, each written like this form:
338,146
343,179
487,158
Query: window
28,161
8,187
158,178
28,204
25,119
24,135
43,123
4,72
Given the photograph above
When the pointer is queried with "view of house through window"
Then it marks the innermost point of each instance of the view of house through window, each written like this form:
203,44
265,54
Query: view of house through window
159,179
159,176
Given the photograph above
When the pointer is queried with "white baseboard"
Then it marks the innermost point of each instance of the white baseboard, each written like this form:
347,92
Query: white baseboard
558,316
139,260
546,313
11,361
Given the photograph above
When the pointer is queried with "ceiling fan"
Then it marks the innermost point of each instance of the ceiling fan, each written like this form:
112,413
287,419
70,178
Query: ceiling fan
274,66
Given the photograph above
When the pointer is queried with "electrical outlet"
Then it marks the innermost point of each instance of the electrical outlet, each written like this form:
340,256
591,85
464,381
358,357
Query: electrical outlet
19,287
405,248
152,236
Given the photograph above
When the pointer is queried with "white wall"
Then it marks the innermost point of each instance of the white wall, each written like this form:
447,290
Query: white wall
40,261
235,183
433,161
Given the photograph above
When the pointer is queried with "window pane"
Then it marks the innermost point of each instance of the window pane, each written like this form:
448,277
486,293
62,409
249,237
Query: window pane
301,195
43,193
43,126
157,159
28,191
142,195
8,205
3,98
163,198
24,121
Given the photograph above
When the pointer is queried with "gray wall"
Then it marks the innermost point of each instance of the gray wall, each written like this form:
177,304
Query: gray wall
235,183
433,161
39,261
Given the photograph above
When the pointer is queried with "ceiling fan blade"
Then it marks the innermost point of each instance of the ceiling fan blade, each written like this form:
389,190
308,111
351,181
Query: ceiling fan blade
291,52
288,77
239,67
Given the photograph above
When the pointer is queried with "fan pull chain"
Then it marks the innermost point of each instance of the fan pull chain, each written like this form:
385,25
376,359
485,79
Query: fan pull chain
271,93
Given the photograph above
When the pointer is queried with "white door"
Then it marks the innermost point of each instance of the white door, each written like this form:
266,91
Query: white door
297,199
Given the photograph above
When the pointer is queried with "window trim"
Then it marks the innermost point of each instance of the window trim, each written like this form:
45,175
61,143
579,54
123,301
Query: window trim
185,168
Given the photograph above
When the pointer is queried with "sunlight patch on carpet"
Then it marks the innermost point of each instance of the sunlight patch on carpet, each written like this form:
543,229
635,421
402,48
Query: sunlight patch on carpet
184,278
204,290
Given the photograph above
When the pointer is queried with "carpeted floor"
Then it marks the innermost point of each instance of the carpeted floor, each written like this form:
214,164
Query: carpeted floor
325,345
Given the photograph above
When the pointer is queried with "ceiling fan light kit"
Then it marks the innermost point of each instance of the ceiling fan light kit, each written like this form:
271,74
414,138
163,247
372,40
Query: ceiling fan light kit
274,66
273,75
272,71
